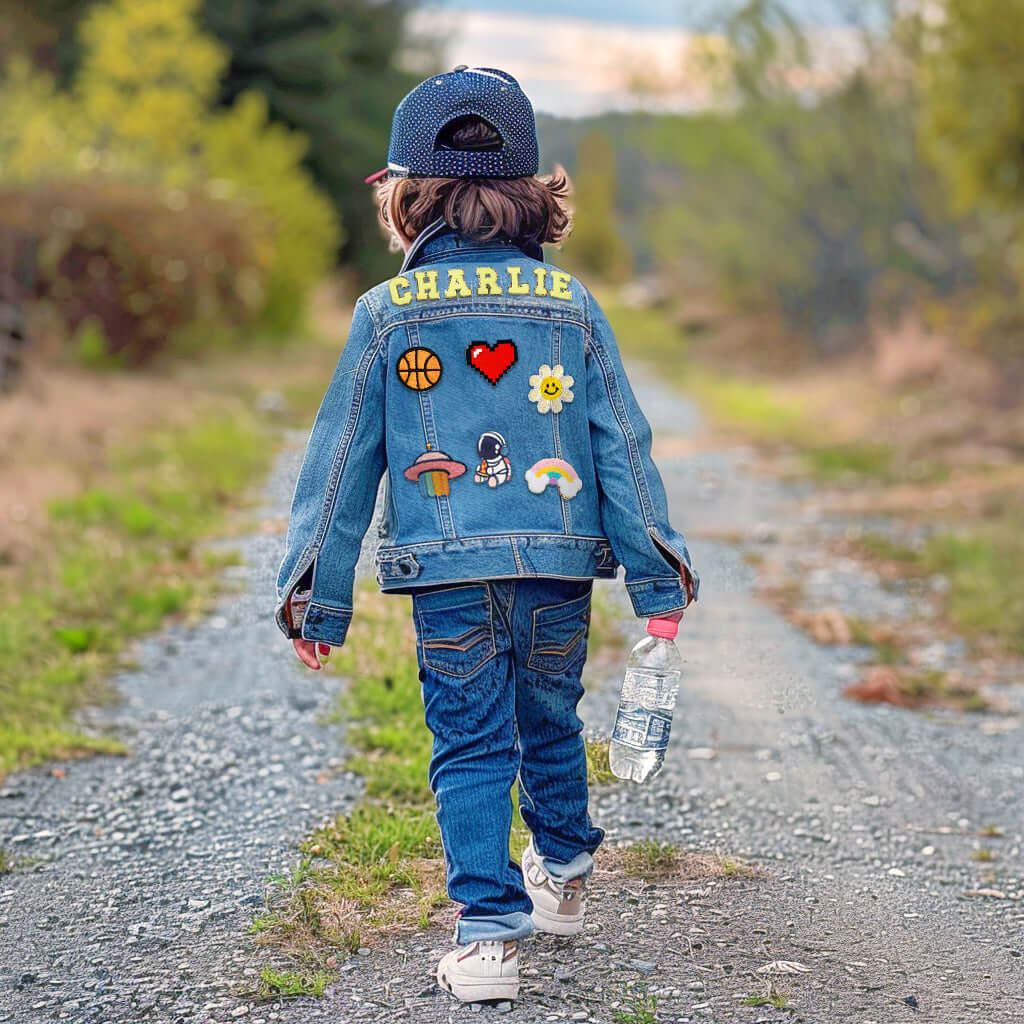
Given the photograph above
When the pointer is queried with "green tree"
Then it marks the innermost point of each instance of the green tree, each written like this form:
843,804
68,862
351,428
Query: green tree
596,243
973,110
329,69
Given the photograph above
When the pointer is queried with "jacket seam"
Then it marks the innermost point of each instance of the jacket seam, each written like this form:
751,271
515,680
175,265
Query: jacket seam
399,548
627,431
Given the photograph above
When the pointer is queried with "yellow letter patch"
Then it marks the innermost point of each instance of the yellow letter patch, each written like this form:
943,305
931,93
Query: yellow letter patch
400,298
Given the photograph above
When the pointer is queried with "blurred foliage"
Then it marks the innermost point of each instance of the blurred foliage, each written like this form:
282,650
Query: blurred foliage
597,243
327,68
829,204
127,265
131,177
971,114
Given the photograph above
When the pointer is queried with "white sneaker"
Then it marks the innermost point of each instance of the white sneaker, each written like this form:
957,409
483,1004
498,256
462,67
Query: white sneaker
558,907
480,971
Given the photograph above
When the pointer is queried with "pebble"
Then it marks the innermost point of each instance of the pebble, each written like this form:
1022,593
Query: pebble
644,966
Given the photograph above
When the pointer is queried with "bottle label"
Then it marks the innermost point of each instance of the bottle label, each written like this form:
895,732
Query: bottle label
643,730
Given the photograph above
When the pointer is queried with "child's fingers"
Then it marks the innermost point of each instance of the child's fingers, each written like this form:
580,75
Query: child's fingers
306,651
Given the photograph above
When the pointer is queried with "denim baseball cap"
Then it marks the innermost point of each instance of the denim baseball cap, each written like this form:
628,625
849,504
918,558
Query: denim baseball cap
416,149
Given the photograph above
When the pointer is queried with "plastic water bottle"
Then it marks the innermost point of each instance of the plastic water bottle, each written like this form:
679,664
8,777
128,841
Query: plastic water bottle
644,718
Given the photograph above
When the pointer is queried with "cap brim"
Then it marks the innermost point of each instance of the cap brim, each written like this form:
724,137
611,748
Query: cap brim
376,176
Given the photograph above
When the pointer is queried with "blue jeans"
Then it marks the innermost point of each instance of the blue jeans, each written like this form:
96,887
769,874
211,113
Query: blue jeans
500,665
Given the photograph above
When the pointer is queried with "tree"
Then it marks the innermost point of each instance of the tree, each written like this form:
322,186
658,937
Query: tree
596,242
973,113
329,69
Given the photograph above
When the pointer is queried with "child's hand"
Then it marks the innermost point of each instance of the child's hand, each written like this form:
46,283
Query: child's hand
307,650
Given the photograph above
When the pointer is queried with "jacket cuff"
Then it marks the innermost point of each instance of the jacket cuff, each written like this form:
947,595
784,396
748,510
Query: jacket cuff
326,624
655,597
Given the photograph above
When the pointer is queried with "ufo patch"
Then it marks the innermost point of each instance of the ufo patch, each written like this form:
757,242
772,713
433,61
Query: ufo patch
432,471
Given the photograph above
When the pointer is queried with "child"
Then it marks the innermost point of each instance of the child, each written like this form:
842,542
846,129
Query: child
485,386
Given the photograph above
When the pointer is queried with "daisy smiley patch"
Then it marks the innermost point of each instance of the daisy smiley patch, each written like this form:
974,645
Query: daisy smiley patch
550,388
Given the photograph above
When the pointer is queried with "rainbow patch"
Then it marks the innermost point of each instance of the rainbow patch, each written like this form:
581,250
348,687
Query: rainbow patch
553,471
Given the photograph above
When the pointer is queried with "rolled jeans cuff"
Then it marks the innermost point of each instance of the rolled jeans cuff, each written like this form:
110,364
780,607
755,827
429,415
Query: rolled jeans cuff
493,928
579,867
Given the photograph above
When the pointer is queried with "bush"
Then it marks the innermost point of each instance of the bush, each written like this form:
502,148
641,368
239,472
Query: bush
127,267
147,212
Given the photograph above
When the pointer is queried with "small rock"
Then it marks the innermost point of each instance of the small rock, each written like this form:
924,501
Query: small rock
239,1011
897,873
644,966
773,777
563,974
181,795
194,904
702,754
363,951
911,1001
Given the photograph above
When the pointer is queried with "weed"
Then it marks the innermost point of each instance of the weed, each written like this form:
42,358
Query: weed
736,869
642,1008
984,855
599,771
773,998
6,862
275,984
991,832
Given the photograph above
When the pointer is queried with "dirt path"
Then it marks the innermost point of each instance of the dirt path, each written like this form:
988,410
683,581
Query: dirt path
864,819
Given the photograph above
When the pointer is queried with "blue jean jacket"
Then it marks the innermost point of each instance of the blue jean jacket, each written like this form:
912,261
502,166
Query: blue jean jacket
486,387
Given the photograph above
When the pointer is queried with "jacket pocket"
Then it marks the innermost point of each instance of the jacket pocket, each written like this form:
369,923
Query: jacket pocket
455,628
558,642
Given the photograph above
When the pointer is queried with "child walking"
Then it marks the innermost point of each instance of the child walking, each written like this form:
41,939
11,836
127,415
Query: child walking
485,387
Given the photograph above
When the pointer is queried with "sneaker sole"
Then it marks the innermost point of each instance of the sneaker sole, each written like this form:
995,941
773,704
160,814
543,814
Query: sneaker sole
556,924
479,990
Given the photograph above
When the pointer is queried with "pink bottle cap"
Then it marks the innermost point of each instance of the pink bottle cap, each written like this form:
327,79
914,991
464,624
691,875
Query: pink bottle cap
665,628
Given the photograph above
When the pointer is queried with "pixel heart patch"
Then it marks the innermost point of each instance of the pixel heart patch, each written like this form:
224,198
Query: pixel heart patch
491,360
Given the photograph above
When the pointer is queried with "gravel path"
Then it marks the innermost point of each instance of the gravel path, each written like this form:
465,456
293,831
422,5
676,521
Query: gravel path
864,819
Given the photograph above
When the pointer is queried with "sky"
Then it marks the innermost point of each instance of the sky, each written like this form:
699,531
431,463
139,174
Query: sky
575,58
680,13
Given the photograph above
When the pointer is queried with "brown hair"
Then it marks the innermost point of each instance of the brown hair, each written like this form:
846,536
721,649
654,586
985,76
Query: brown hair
525,210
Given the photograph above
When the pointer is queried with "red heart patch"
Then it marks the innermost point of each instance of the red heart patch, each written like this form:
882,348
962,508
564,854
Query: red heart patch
491,361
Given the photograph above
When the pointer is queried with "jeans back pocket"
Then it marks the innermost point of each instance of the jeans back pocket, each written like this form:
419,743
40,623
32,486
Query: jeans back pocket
559,638
455,629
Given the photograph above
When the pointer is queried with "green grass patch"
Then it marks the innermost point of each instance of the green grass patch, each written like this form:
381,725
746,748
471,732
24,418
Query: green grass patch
641,1008
120,558
985,567
291,984
599,770
379,869
6,863
775,999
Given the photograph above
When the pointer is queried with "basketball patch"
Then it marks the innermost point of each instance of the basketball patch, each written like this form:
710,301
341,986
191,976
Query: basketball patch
419,368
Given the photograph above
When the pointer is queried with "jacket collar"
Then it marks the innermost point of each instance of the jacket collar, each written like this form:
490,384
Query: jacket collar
437,239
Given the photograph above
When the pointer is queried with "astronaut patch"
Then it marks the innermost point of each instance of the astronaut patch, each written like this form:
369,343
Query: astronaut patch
494,467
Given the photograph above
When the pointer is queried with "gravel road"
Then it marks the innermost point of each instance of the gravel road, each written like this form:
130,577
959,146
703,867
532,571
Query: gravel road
137,875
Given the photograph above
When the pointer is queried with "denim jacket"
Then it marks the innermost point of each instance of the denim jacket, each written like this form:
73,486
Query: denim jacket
486,387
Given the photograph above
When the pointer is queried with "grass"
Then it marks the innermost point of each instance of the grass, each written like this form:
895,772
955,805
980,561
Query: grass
655,861
120,557
641,1008
291,984
984,563
776,999
6,862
